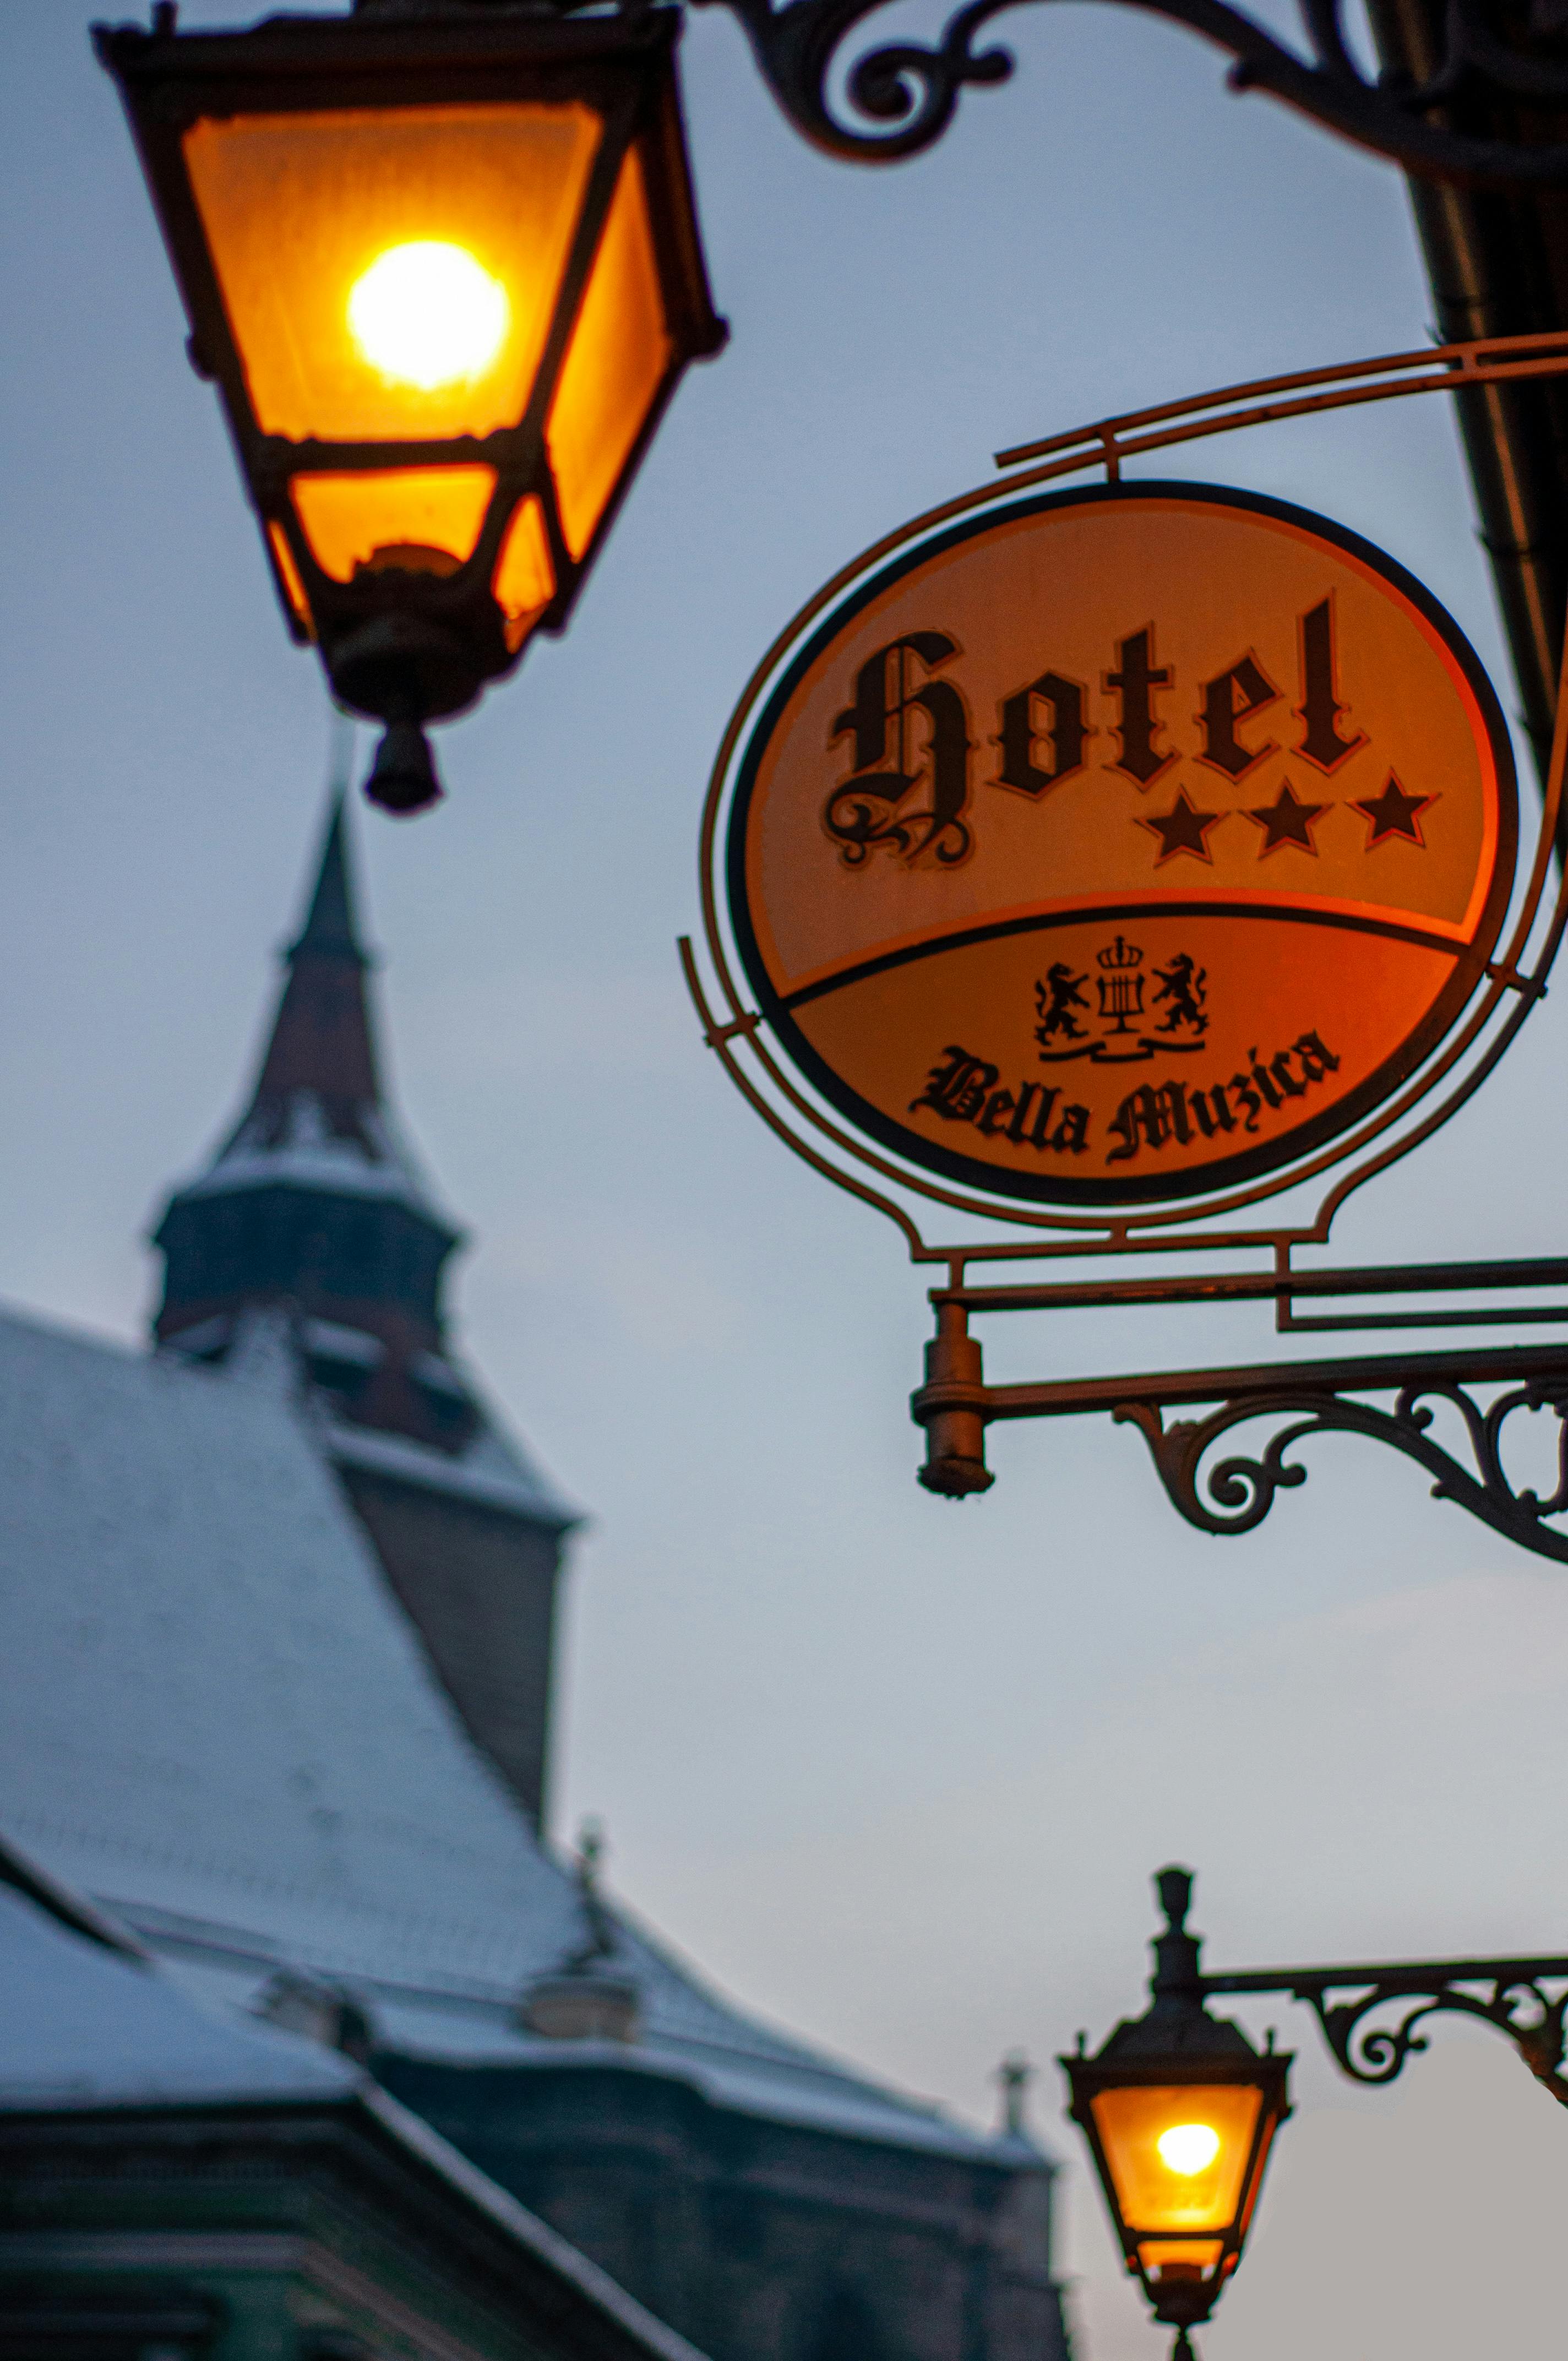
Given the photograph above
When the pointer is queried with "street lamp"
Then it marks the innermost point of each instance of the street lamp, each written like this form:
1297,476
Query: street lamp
443,264
1181,2109
1180,2112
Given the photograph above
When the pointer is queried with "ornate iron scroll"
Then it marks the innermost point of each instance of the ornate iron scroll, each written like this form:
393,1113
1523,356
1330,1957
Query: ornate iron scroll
902,97
1508,1994
1236,1496
1512,1996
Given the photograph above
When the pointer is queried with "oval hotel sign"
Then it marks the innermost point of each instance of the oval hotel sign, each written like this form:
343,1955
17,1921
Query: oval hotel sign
1121,845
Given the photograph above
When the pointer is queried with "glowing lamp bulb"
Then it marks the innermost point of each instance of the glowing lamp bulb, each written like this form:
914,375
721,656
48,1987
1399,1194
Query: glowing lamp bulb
1188,2148
427,314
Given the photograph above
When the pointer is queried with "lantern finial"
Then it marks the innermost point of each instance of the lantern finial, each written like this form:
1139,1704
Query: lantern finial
403,780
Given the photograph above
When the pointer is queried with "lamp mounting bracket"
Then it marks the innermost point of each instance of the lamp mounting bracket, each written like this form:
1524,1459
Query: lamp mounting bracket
1527,1999
1298,1399
896,100
1516,1995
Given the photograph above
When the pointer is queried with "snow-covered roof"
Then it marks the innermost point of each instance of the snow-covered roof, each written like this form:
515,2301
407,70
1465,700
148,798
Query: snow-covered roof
83,2027
490,1469
291,1143
219,1725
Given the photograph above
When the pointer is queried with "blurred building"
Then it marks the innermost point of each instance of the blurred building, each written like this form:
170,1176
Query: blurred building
175,2186
277,1609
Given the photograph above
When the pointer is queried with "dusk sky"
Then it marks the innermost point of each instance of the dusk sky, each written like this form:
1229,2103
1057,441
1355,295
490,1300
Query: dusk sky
894,1770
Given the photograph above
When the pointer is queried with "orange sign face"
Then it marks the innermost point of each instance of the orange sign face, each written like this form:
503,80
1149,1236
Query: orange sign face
1123,845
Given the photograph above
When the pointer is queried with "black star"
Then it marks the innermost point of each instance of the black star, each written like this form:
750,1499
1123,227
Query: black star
1181,829
1394,815
1286,821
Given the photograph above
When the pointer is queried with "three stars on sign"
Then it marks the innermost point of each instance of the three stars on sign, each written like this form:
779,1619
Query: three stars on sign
1392,817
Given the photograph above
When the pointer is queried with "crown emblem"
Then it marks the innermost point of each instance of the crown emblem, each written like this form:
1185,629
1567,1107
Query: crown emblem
1119,955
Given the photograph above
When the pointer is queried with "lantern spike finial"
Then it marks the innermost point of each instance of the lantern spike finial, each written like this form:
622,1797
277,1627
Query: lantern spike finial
403,779
1183,2349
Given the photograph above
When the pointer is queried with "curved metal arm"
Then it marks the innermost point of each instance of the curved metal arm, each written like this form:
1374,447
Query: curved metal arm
902,97
1511,1996
1236,1495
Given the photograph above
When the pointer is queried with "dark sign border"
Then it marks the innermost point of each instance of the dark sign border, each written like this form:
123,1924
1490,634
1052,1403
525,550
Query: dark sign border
1268,1157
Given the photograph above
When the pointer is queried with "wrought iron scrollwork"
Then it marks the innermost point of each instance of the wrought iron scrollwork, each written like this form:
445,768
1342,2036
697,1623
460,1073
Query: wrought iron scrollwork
1510,1994
1235,1495
902,97
1515,2003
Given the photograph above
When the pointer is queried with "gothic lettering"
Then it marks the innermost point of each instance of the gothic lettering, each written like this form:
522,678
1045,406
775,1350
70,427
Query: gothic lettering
1148,1115
867,808
1019,737
1154,1116
1135,681
1211,1110
1320,708
963,1091
1316,1062
1231,698
958,1091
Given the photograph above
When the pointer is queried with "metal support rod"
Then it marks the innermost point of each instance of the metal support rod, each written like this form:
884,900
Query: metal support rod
1161,1390
1280,1286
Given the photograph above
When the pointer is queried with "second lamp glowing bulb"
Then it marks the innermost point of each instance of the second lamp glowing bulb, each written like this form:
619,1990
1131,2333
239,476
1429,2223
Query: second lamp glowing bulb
1188,2148
427,314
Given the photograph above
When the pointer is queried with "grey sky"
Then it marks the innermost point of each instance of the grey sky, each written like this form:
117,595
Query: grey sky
893,1769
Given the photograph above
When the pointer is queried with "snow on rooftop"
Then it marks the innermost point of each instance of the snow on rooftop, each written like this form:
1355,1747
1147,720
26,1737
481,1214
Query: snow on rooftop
84,2027
299,1147
225,1732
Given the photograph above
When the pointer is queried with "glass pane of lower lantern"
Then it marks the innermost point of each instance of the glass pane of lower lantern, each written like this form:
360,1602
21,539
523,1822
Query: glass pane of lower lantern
1180,2258
525,580
391,276
283,558
1177,2154
426,518
620,351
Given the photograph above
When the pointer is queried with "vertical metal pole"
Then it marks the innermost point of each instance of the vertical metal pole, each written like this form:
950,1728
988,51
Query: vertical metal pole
955,1432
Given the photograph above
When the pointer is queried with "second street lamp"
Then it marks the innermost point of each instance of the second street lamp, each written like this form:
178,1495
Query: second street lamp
1181,2109
1180,2112
443,264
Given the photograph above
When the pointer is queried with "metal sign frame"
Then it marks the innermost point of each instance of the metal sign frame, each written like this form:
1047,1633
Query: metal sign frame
1299,1397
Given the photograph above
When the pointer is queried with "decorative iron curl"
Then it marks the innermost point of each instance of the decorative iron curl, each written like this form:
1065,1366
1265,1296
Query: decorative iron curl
905,93
1236,1496
1377,2054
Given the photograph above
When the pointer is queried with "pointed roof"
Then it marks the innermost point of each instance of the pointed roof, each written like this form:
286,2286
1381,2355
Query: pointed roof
317,1118
321,1039
329,929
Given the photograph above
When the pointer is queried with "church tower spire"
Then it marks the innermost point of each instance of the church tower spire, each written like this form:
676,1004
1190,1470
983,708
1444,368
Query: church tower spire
314,1202
313,1209
321,1039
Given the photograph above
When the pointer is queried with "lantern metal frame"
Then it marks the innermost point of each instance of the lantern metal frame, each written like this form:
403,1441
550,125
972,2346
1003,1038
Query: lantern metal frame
1480,1387
402,645
1524,1998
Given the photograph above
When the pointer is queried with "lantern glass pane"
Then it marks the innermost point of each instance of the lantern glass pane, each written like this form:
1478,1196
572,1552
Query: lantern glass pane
620,352
425,519
283,558
524,581
1177,2154
1180,2257
391,276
